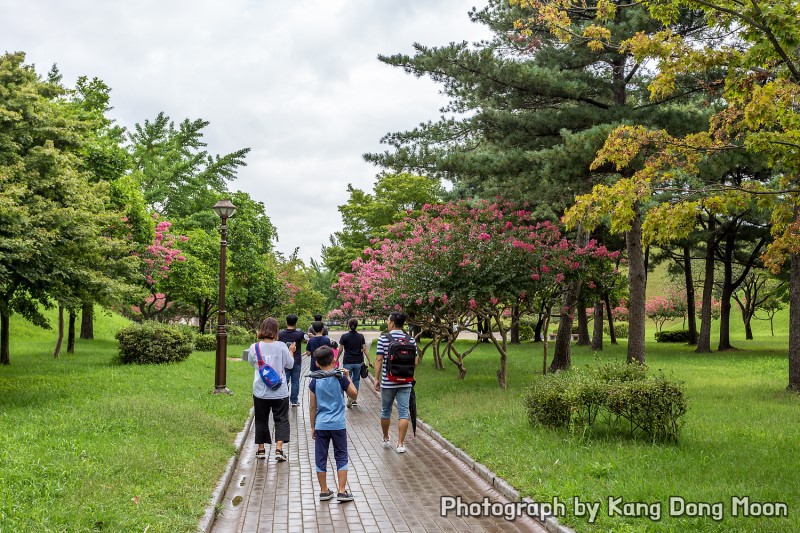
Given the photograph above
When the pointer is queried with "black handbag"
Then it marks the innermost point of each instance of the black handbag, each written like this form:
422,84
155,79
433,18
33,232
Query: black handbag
364,371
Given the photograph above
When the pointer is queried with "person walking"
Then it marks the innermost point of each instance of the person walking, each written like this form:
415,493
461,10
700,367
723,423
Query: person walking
317,318
317,340
389,386
354,347
265,399
328,424
292,335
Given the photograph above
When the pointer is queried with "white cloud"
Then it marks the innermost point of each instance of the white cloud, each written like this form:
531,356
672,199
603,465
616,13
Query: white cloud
297,82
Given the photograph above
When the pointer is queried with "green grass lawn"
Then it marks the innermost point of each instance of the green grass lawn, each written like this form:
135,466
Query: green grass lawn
89,445
741,435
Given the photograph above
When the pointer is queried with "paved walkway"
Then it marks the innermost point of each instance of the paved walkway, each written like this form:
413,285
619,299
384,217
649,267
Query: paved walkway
393,492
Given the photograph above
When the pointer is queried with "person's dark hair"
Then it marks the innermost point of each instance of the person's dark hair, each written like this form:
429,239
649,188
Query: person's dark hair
334,344
398,319
269,329
318,326
318,317
352,324
291,320
323,355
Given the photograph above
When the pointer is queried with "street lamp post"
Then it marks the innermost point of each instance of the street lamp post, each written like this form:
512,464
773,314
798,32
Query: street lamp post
224,209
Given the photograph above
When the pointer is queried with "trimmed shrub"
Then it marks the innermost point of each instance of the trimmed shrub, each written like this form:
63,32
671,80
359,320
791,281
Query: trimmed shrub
679,335
620,329
240,335
653,406
525,332
205,343
153,343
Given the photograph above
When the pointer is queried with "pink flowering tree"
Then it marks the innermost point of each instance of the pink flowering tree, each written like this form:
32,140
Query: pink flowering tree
157,260
455,265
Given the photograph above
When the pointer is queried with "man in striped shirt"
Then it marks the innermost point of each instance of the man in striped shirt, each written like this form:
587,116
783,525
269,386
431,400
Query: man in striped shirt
391,391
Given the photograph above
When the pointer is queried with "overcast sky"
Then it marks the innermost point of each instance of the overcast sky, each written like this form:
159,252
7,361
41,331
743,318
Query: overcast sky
296,81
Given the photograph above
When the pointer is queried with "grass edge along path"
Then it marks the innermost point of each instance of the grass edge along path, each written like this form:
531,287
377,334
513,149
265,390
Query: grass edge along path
89,445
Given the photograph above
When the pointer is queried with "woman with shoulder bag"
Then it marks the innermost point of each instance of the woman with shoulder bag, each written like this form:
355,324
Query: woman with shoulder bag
274,398
354,347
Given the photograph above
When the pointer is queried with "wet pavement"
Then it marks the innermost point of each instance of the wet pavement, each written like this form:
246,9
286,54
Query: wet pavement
393,492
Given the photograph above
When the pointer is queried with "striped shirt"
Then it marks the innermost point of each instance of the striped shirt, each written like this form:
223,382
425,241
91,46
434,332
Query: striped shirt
383,348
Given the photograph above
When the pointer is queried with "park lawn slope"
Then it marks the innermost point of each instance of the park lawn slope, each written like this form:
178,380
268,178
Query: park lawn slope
740,438
87,444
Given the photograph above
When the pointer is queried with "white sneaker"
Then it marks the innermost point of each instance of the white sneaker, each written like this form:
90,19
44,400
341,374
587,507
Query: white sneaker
387,444
401,449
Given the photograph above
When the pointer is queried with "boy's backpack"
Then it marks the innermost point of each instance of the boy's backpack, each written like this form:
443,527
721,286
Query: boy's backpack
400,357
269,375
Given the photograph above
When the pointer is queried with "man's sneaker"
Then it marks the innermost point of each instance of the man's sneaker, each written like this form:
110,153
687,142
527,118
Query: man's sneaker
344,497
355,403
280,456
325,496
387,444
295,404
401,449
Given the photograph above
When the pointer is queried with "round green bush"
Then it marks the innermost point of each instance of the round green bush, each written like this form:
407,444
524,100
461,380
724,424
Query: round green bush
205,343
153,343
239,335
525,332
620,330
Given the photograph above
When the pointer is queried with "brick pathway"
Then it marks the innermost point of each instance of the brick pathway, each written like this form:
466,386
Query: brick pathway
393,492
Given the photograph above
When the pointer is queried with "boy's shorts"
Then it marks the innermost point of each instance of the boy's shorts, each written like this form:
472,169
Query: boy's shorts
322,443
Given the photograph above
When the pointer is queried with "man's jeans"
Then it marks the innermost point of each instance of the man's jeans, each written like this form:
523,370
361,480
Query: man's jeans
293,378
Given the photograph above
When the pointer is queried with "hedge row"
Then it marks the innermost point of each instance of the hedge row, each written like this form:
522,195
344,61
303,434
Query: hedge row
680,335
623,394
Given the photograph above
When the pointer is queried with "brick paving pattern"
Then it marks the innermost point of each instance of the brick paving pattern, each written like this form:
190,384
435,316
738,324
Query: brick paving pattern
393,492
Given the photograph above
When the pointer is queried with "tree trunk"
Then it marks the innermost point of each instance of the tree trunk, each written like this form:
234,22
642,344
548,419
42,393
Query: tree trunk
794,324
691,312
537,331
704,340
611,332
546,327
597,334
4,335
562,358
727,292
748,330
583,324
514,324
71,331
87,320
638,288
60,338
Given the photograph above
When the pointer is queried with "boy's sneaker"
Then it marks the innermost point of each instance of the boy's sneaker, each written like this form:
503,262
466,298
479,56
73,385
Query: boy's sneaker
280,456
386,444
325,496
350,403
295,404
401,449
344,497
355,403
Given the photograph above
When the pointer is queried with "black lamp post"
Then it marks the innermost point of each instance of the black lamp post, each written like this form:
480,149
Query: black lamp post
224,209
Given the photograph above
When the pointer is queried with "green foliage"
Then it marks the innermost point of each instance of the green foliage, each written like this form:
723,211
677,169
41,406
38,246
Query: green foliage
240,335
366,216
620,330
153,343
526,332
205,343
568,400
679,335
656,406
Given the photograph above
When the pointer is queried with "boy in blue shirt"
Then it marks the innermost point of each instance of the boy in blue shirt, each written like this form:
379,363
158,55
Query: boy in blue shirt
326,407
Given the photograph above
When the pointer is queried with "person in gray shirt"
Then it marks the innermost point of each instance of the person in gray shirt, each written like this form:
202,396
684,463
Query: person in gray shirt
277,355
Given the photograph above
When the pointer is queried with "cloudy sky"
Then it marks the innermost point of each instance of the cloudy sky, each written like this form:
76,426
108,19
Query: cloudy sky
296,81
